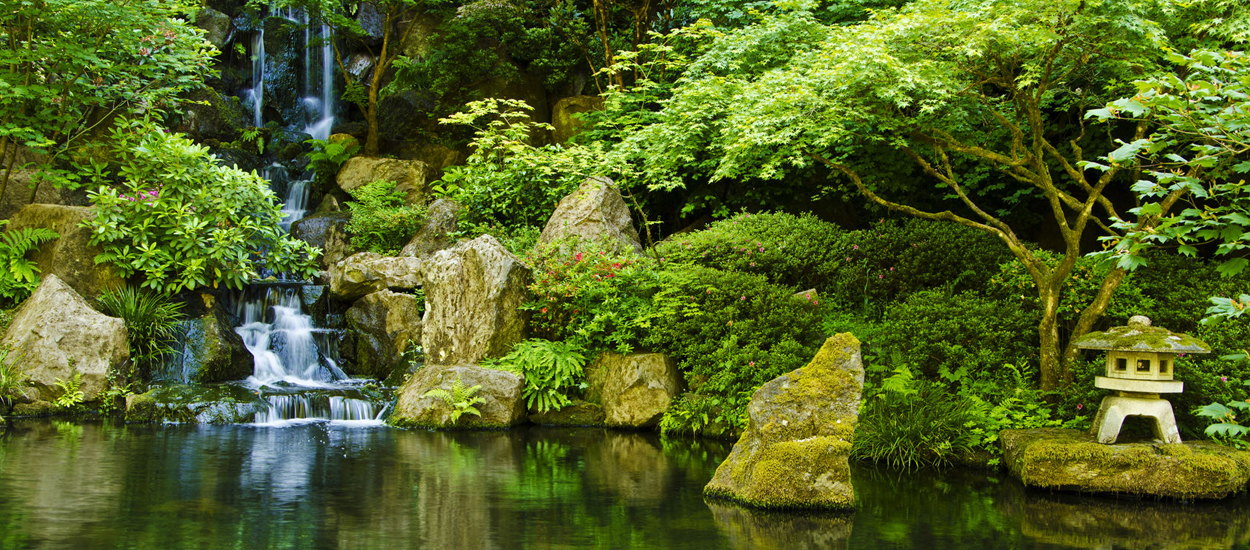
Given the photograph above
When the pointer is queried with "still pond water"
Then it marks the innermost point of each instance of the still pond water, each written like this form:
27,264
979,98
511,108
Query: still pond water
338,485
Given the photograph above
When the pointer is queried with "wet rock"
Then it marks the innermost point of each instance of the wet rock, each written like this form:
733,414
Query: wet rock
216,25
315,300
562,115
798,437
472,292
635,390
71,257
193,404
593,213
1072,460
407,114
442,219
386,326
367,272
327,231
579,413
57,334
214,117
409,176
503,405
372,20
212,351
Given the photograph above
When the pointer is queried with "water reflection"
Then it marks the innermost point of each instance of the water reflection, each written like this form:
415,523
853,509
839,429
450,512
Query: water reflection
332,486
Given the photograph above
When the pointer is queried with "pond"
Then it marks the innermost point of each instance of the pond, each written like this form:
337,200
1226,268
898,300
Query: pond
355,485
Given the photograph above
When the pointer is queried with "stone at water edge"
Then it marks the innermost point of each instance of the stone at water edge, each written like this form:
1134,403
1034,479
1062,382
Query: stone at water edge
794,452
56,334
503,406
327,231
593,212
1053,458
368,272
213,351
472,295
386,325
635,389
578,413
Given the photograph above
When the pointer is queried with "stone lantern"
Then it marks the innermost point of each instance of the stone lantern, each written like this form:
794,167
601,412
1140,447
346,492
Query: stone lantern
1141,360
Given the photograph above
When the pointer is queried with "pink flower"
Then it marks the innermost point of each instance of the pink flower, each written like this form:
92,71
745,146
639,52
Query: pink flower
1079,406
752,264
752,363
1223,379
856,247
761,249
742,298
578,256
880,276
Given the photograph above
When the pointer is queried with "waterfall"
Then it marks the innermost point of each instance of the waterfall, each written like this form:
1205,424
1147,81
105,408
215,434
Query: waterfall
257,93
325,108
318,78
282,340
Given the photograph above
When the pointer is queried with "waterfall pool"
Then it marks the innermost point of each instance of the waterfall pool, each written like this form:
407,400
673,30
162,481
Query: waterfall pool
341,485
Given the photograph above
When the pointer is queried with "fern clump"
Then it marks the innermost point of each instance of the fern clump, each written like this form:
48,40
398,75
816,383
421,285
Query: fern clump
461,399
552,371
18,275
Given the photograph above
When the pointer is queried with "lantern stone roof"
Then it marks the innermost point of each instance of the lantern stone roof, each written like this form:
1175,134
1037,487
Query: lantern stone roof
1140,336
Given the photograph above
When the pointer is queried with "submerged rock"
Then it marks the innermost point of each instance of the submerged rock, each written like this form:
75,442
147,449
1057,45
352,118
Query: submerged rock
472,295
1073,460
595,211
635,389
503,405
56,334
798,437
367,272
386,325
71,257
442,219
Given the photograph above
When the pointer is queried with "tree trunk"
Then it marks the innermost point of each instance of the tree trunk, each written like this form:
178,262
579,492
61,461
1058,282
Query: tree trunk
371,121
1053,367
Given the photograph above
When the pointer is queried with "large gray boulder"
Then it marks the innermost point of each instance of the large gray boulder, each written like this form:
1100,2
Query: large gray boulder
798,437
442,219
386,325
472,295
409,176
71,257
211,351
565,124
56,334
635,389
1073,460
594,212
327,231
368,272
503,406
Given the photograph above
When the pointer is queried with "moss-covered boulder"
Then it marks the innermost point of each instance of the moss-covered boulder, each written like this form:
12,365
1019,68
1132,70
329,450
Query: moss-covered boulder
367,272
502,405
595,212
634,389
1073,460
473,292
410,176
442,220
565,124
327,231
212,351
794,451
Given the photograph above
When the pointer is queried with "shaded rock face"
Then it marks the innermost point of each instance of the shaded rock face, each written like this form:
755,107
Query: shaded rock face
219,117
216,25
1072,460
17,194
437,158
442,218
798,437
56,334
595,211
368,272
562,119
212,351
327,231
409,175
503,405
71,257
579,413
194,404
472,292
635,389
386,324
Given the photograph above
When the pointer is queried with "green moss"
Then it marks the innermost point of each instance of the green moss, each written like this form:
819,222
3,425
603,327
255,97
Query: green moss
811,473
1142,338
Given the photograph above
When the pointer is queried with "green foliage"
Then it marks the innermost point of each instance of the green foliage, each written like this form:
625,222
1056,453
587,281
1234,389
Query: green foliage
942,333
591,296
1016,288
327,156
18,275
461,399
912,423
11,377
151,325
694,414
179,220
382,220
553,371
70,65
71,397
112,399
1226,428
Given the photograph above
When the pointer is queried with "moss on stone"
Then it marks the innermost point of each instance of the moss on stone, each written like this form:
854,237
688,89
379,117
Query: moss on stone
794,474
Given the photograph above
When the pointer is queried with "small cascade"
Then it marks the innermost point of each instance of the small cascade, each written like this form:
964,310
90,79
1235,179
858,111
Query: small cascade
316,53
288,407
257,93
325,108
282,340
295,206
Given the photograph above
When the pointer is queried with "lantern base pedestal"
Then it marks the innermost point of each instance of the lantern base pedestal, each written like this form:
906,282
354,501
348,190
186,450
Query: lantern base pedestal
1115,409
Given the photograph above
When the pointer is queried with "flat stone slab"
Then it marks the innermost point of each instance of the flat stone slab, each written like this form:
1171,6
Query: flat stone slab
1071,460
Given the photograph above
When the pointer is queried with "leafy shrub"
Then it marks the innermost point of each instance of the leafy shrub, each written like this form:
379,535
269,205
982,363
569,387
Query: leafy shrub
941,333
327,156
18,275
912,423
694,414
1225,427
552,371
590,296
151,324
180,220
731,332
382,221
